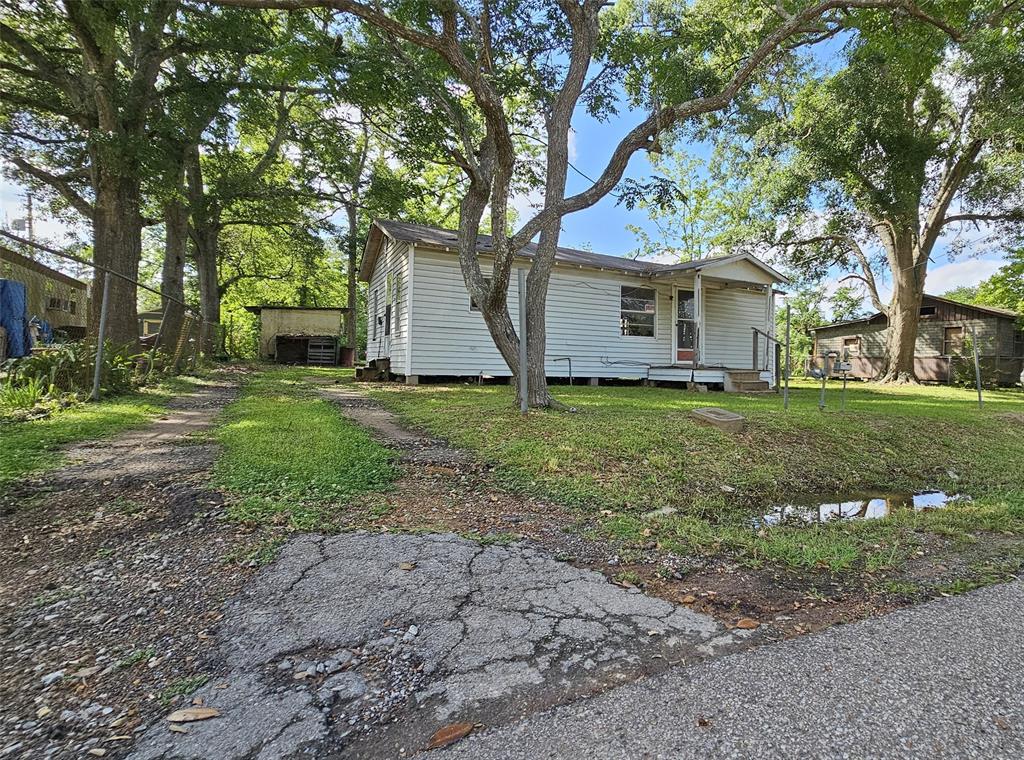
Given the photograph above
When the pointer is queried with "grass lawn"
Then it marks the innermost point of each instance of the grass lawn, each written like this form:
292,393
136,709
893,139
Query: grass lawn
31,447
291,458
630,450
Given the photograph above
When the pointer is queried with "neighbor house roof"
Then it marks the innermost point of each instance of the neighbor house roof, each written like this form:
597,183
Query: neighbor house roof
269,306
6,254
994,311
434,237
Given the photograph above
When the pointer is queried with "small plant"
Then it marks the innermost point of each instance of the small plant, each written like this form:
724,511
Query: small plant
25,395
137,656
182,687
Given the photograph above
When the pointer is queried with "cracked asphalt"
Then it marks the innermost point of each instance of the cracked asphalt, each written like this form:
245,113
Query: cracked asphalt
364,644
941,680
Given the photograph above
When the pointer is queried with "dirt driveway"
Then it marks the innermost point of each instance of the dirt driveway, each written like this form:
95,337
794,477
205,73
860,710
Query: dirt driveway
112,581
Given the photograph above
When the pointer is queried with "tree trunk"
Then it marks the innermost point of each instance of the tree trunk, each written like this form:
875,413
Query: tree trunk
205,232
117,235
904,311
351,282
537,281
173,273
205,237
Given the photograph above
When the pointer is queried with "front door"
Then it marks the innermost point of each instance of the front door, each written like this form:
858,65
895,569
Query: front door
686,326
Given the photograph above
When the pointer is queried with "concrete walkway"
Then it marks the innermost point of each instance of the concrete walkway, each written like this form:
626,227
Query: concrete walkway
945,679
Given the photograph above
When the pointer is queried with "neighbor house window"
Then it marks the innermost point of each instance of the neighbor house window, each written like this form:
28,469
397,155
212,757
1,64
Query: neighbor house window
74,307
851,346
637,311
927,311
473,305
1018,343
952,340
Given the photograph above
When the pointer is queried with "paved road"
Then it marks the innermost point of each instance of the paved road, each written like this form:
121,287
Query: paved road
945,679
364,644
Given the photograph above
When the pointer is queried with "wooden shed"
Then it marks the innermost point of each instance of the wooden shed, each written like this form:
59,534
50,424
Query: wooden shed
943,329
303,335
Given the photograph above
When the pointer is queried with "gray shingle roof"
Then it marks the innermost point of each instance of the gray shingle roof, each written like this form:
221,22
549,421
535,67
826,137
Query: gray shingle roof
421,234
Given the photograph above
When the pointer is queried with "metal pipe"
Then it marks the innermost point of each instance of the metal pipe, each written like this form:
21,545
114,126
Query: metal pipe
97,370
523,398
785,392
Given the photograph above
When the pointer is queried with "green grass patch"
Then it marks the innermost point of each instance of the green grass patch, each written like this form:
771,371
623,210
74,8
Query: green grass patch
181,687
33,446
290,457
631,450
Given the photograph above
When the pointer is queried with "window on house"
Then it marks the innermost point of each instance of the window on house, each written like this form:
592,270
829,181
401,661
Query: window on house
1018,343
851,346
74,307
473,306
637,311
54,303
927,311
952,341
375,303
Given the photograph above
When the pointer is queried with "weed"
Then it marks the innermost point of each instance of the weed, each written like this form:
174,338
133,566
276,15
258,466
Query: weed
182,687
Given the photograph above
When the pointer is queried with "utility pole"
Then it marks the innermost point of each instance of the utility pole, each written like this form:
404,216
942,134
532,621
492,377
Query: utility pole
28,216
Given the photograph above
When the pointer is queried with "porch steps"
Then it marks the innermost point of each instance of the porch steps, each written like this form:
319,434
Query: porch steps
745,381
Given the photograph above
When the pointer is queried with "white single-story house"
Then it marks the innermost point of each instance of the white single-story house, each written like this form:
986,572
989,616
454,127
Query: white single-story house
707,321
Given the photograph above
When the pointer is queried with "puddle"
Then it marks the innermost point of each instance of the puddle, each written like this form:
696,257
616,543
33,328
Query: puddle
870,506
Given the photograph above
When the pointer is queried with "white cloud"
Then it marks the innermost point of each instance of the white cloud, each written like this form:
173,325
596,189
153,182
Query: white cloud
968,272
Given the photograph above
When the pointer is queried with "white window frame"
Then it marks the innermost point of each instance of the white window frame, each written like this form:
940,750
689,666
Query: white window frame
622,311
374,305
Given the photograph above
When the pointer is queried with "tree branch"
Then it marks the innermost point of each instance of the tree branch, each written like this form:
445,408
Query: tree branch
59,183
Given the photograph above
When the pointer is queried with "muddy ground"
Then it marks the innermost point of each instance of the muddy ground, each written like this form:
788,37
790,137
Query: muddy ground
126,595
113,575
446,489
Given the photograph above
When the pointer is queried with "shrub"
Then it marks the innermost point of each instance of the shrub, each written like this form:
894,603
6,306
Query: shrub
68,368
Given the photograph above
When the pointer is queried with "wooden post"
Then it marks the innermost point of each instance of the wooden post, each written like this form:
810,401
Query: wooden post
523,397
977,367
98,369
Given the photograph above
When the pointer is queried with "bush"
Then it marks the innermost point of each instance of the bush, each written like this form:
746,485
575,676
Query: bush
68,368
24,396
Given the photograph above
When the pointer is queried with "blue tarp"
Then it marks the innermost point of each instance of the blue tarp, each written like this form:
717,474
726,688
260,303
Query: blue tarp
14,318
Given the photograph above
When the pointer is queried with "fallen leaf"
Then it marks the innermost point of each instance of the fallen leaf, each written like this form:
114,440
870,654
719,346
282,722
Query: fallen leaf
197,701
1001,722
178,729
689,599
449,735
703,722
747,624
97,752
86,672
43,711
406,565
189,714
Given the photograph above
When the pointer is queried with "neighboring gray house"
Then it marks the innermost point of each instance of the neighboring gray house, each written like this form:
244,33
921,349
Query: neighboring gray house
943,327
613,317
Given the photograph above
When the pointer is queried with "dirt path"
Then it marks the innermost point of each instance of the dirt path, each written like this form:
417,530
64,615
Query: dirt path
113,578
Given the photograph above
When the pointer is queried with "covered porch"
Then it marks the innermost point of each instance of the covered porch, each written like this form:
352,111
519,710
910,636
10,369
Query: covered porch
723,321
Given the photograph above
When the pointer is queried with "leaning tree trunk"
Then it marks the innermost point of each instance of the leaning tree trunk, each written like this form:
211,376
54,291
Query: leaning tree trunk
117,236
537,393
903,315
173,273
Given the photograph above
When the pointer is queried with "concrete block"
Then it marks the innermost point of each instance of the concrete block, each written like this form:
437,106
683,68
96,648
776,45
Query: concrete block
723,419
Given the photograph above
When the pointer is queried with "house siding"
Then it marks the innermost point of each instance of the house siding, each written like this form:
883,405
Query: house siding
731,315
994,336
583,309
393,261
